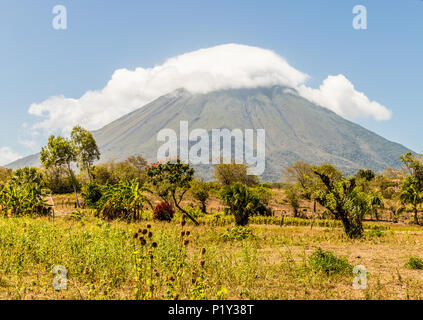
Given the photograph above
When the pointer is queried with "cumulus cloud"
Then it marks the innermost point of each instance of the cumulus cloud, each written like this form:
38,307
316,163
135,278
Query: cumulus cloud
201,71
7,155
221,67
338,94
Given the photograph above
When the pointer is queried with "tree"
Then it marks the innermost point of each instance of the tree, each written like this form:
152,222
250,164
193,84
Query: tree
375,202
200,191
365,174
60,152
29,177
363,179
57,180
230,173
172,180
301,174
86,149
242,203
113,172
412,187
293,197
340,196
139,167
411,195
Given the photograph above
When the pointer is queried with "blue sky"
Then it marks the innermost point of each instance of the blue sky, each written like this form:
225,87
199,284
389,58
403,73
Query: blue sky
316,37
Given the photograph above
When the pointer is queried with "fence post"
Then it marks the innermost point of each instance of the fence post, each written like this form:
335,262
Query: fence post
283,216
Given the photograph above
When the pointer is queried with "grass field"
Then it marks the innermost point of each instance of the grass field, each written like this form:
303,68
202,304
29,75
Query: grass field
264,261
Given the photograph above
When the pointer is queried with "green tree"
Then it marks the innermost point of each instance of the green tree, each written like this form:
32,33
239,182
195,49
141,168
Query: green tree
411,195
292,193
60,152
242,203
376,202
58,181
230,173
341,197
301,174
200,191
412,187
86,149
134,168
172,180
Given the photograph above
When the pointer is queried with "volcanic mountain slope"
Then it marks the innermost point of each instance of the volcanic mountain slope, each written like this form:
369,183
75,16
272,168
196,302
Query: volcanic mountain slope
296,129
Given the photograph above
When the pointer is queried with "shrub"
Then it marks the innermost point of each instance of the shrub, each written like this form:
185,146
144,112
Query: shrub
125,200
242,203
414,263
327,262
375,233
263,193
194,212
24,194
92,194
200,191
163,212
237,233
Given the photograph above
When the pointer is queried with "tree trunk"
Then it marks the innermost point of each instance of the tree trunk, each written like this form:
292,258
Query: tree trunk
416,218
352,231
74,184
76,196
314,206
89,174
204,207
182,210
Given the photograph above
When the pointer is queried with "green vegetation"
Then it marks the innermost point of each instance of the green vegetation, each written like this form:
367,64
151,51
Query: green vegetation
126,201
327,262
242,203
129,238
22,194
415,263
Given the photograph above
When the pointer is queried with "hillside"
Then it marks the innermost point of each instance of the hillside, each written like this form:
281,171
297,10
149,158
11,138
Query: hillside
296,129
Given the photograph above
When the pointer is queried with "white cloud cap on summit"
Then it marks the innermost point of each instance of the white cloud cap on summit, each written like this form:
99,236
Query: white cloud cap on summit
202,71
221,67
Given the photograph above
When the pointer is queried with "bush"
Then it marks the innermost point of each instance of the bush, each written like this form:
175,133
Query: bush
327,262
92,194
242,203
200,191
58,181
237,233
194,212
164,212
123,201
414,263
375,233
263,193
